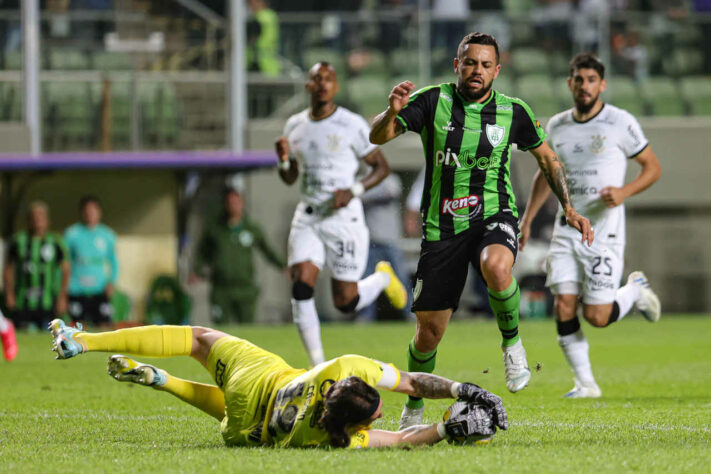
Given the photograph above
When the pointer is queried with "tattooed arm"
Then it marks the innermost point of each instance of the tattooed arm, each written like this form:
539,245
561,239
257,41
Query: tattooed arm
552,169
420,384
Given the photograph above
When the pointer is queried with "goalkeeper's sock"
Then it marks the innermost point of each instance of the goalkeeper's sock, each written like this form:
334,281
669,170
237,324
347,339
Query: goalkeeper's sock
208,398
419,362
576,349
505,306
306,319
150,341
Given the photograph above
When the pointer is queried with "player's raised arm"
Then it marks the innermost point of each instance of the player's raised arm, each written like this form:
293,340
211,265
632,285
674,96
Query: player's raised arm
649,174
554,173
536,198
288,167
385,126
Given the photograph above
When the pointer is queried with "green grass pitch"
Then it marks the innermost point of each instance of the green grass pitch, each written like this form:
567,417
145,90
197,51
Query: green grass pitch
655,414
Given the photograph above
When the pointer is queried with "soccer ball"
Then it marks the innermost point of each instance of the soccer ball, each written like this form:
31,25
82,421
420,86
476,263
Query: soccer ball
481,414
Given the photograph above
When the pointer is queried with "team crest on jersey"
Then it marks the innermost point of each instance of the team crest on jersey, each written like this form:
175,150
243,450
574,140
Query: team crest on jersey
495,134
598,144
334,143
47,252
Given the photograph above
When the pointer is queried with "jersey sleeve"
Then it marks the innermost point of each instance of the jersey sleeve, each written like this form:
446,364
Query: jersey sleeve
632,139
373,372
360,138
419,110
359,439
527,132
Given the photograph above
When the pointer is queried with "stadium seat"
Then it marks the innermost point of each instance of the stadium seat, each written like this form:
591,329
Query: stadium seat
335,58
369,93
537,91
562,92
167,302
684,61
13,60
696,91
662,95
11,102
68,59
623,92
111,61
528,60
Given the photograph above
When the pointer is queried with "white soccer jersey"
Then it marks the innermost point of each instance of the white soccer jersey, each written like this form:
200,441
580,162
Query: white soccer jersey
595,154
328,151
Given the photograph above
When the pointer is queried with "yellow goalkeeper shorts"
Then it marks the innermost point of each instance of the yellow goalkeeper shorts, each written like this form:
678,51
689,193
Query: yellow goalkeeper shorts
248,375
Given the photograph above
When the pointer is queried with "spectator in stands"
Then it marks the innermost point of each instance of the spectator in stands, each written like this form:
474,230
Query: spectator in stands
381,205
449,23
551,19
704,7
92,253
630,55
585,27
36,272
225,253
263,39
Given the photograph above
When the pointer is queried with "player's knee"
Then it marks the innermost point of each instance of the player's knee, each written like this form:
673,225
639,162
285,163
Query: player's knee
429,335
564,309
344,305
497,272
597,318
302,291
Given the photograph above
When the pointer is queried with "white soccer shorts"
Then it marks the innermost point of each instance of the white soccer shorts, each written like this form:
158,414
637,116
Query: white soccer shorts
339,239
594,271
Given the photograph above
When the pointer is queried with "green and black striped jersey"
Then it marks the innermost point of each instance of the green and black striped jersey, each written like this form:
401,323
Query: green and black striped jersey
37,269
467,149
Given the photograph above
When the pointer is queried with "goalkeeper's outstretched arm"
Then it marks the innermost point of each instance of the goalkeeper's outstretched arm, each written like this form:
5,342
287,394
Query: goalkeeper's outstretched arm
420,384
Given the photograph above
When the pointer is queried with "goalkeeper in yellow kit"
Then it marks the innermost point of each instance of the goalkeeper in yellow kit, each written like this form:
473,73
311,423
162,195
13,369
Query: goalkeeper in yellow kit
261,400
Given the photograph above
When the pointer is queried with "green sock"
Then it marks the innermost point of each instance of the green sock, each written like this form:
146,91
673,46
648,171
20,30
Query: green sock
505,306
419,362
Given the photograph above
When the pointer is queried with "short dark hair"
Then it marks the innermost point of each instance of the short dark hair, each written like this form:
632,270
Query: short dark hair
478,38
587,61
87,198
348,401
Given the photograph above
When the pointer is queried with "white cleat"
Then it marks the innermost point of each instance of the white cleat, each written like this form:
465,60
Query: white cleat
648,303
517,372
410,417
125,369
584,391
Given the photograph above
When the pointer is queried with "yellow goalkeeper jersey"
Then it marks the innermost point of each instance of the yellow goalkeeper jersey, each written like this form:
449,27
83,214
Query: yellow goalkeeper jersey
292,419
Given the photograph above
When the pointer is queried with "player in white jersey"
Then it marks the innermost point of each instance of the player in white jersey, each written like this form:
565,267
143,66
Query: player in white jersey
328,142
594,140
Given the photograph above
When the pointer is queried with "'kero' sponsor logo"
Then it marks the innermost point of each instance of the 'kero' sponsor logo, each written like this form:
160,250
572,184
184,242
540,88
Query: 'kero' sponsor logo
472,202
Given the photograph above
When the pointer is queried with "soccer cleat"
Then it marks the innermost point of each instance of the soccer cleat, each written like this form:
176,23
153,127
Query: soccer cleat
410,417
9,342
395,291
124,369
648,303
517,372
64,344
584,391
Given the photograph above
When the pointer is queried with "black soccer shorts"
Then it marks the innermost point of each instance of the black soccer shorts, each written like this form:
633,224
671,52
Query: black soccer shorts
93,309
443,265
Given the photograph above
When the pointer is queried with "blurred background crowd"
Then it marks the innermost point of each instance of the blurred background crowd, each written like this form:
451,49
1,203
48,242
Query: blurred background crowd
141,76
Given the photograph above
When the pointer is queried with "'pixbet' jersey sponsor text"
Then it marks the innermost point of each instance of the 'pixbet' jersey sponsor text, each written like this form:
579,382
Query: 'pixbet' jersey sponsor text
465,160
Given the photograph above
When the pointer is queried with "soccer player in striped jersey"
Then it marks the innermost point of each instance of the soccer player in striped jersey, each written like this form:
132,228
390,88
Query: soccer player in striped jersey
259,399
468,206
594,141
36,274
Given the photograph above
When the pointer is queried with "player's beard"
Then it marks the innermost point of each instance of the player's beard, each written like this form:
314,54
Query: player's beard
584,108
473,96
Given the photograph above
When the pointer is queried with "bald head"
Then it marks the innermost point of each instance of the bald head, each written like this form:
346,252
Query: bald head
322,83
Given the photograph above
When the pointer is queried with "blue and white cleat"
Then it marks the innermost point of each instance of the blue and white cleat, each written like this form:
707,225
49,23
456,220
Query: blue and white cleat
581,390
64,344
125,369
648,302
517,372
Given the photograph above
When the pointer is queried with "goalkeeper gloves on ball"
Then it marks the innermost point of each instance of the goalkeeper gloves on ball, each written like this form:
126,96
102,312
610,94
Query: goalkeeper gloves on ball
473,393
